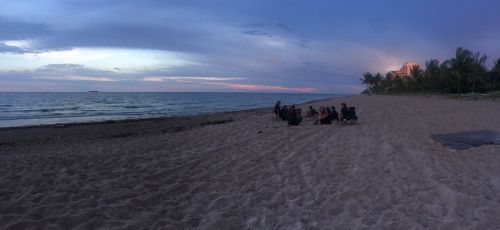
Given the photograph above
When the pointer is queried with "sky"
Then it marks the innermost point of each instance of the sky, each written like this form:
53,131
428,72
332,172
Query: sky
230,46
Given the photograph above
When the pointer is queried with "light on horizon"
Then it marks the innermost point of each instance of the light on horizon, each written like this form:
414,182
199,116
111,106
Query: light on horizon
127,60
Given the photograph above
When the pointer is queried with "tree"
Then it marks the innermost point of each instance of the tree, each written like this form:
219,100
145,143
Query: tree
478,71
445,74
464,73
417,78
461,68
373,82
388,82
433,77
368,80
379,86
495,75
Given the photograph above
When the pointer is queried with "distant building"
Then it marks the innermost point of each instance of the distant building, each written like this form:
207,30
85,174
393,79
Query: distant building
405,70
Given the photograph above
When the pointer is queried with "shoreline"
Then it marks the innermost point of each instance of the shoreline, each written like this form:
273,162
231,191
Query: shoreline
151,119
127,128
473,97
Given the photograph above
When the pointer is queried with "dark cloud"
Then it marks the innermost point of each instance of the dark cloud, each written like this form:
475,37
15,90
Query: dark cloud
10,49
304,43
11,29
257,33
122,35
284,26
291,43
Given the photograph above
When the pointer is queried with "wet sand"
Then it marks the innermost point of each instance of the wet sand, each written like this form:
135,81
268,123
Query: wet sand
244,170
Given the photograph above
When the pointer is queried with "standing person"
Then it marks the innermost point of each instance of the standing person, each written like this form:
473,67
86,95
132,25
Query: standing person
277,109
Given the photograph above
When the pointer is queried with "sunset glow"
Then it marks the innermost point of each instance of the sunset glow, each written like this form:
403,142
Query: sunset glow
184,46
268,88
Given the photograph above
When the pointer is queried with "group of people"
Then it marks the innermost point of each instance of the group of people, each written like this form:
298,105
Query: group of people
325,115
290,114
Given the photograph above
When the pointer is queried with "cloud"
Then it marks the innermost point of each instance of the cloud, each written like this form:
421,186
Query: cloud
10,49
11,29
74,78
284,26
257,33
68,69
253,87
182,78
70,72
272,43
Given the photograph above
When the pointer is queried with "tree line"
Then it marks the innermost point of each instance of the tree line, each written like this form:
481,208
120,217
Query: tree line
465,73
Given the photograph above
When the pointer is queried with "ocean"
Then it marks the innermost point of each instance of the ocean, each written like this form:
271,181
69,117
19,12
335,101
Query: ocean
21,109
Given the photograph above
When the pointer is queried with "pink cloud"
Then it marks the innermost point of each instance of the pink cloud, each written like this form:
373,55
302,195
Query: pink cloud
267,88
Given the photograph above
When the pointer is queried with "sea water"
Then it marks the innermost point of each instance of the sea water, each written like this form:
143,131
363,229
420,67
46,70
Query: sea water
20,109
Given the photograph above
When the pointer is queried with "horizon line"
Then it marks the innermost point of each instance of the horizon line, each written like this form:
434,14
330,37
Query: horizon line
92,91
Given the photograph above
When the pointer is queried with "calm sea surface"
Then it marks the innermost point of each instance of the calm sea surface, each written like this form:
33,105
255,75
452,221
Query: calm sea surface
19,109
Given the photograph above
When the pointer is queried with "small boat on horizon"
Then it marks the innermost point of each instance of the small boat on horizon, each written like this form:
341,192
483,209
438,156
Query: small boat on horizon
93,91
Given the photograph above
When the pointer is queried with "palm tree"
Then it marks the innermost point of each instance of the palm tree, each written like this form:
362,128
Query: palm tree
367,80
432,74
374,82
460,66
495,74
478,69
417,74
389,82
379,82
464,73
446,76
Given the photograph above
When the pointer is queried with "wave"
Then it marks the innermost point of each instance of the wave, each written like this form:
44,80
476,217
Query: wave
138,106
43,110
67,107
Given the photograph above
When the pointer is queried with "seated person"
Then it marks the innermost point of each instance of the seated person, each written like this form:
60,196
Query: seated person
294,116
334,115
284,113
347,113
343,111
312,112
322,118
327,119
352,114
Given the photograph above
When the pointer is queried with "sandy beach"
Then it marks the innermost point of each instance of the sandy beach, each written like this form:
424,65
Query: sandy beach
244,170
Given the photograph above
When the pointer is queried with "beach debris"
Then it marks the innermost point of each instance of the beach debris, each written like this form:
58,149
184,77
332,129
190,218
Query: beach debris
468,139
118,135
260,131
217,122
5,143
